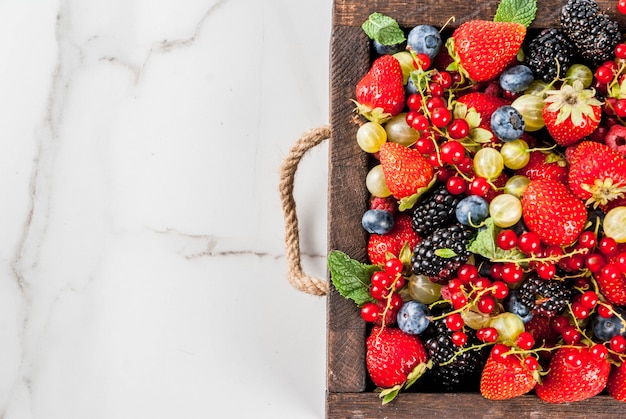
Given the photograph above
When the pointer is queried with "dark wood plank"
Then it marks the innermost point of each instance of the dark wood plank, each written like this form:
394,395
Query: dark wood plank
467,406
347,201
409,13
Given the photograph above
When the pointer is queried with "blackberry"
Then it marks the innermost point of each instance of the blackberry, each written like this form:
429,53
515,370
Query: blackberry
464,371
544,297
436,210
593,33
543,52
440,254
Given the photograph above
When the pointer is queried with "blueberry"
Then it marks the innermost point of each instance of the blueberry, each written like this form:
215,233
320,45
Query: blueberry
413,317
507,123
605,328
516,78
425,39
472,210
388,49
377,221
513,304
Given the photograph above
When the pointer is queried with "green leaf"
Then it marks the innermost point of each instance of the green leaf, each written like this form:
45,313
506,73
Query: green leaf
481,135
383,29
520,11
409,201
389,394
484,244
445,253
351,277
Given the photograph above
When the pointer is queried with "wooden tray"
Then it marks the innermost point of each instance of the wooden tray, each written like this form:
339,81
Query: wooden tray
349,394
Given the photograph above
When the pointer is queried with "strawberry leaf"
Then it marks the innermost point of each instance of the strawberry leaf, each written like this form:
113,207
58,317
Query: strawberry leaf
389,394
520,11
351,277
383,29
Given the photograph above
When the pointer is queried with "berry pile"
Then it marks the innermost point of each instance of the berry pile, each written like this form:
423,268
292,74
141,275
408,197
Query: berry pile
497,219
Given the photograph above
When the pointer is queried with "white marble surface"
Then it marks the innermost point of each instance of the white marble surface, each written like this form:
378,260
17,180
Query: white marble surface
141,235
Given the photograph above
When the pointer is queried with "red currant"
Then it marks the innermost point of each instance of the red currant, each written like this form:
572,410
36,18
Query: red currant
587,240
370,312
574,359
414,102
620,108
620,261
618,343
559,323
546,270
506,239
458,128
620,50
499,351
525,340
481,283
598,352
604,74
621,6
455,322
452,152
529,242
512,272
531,363
440,117
479,186
435,102
381,279
425,145
580,311
486,304
456,185
496,271
378,292
435,89
422,61
459,300
607,246
466,165
500,289
487,334
444,78
467,273
393,266
595,262
459,338
575,262
571,335
589,299
611,273
399,283
455,285
605,310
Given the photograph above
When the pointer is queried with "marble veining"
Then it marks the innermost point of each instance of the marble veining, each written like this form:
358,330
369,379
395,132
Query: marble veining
141,236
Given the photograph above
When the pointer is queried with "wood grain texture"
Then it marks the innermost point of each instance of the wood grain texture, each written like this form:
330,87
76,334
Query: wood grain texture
414,12
349,392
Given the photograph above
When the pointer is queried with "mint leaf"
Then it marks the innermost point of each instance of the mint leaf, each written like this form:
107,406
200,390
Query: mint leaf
445,253
484,244
383,29
520,11
351,277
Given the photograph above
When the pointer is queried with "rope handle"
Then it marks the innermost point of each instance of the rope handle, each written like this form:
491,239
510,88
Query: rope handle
295,274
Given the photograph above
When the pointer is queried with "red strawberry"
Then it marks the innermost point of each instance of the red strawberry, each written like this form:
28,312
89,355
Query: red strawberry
505,378
574,375
387,204
405,169
612,284
571,113
402,233
545,165
380,93
597,173
616,386
485,48
553,212
392,355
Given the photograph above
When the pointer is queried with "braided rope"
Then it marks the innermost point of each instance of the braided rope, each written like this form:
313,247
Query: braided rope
295,274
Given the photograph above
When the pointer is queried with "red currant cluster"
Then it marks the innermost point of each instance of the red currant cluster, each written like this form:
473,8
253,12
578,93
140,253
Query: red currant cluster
384,288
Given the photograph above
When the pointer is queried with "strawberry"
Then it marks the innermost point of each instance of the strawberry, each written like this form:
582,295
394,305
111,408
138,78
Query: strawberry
553,212
392,355
597,173
485,48
400,235
612,283
571,113
545,165
405,170
380,93
574,375
505,377
616,386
